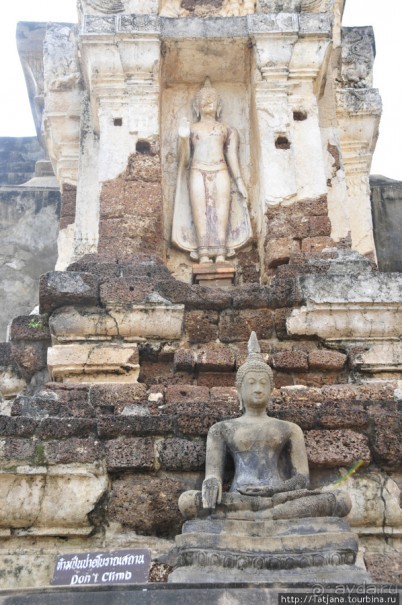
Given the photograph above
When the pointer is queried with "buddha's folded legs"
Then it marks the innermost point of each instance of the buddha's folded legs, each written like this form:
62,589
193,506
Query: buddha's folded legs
286,505
324,504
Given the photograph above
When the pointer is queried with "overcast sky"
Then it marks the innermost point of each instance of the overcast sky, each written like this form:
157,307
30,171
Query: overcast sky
15,114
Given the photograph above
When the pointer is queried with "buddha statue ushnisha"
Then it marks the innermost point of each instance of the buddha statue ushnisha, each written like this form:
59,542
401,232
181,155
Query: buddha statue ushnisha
271,477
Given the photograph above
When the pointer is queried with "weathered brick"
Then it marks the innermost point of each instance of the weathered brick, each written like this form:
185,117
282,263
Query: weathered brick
301,396
279,251
251,297
296,404
384,567
30,357
340,392
184,359
18,427
288,227
313,207
249,264
152,373
201,326
291,361
283,379
61,428
179,394
116,396
5,354
30,327
112,426
316,207
224,395
194,297
73,450
326,360
319,378
181,454
47,403
147,506
380,390
130,453
386,441
294,269
216,379
336,448
121,199
280,317
319,226
125,290
338,415
215,357
107,266
18,450
305,418
197,425
237,325
285,293
316,244
60,288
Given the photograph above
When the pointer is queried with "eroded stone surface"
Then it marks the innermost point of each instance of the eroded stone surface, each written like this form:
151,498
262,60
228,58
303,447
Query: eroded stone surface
97,362
54,501
147,508
376,502
57,289
336,448
130,453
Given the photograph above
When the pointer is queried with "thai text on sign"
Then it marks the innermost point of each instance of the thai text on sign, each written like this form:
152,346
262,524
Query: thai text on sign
114,567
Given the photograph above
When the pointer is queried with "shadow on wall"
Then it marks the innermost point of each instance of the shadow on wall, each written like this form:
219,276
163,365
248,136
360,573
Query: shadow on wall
29,218
386,207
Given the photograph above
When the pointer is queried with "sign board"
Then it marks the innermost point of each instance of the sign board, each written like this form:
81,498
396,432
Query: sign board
113,567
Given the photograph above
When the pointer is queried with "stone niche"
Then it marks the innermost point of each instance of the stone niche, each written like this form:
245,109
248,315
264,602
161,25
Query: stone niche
186,64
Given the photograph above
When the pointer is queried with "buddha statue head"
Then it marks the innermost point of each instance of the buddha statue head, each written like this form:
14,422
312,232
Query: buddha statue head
254,378
207,101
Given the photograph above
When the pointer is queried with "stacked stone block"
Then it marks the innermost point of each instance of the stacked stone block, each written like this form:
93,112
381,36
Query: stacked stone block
142,443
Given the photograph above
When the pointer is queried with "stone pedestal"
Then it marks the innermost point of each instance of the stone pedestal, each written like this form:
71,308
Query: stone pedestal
221,275
291,551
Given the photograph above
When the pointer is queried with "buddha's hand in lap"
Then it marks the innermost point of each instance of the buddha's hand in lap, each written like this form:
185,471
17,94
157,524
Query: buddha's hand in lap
211,492
256,490
294,483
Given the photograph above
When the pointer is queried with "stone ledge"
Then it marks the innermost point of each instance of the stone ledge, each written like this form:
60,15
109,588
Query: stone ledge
347,321
167,594
132,322
104,362
54,501
211,27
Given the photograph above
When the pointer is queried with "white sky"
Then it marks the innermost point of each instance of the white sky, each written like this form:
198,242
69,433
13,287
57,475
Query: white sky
15,114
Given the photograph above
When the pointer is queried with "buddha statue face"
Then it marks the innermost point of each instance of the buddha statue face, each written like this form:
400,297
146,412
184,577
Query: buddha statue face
255,390
207,102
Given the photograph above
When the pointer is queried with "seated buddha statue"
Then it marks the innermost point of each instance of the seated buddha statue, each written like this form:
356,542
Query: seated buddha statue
271,475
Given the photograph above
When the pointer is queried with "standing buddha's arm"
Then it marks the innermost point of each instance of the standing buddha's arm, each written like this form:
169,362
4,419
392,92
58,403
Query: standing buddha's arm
232,158
184,151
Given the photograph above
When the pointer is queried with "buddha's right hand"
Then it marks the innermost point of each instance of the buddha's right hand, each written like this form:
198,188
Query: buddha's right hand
211,492
184,128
